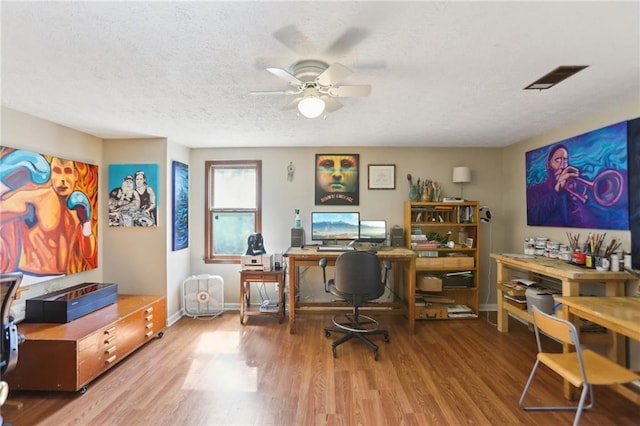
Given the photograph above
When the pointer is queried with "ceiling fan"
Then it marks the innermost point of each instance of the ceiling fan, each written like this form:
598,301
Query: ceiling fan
316,85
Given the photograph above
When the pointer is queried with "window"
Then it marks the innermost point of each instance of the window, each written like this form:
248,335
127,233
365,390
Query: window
233,208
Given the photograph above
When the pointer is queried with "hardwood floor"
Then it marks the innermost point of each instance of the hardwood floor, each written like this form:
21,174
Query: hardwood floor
218,372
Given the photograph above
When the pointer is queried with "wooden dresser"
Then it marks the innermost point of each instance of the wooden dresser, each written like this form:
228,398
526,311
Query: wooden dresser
66,357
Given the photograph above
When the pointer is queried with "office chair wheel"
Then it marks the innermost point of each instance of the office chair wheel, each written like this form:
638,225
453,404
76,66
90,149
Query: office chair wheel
327,333
375,355
386,338
335,351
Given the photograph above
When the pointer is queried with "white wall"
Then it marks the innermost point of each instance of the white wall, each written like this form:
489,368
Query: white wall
513,187
137,256
178,266
514,195
27,132
281,197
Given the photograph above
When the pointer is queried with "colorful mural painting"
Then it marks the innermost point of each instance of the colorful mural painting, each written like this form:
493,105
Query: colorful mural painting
133,198
180,211
580,182
48,215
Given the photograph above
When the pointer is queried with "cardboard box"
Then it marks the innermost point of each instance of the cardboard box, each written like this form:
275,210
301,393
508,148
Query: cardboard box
431,312
429,283
511,288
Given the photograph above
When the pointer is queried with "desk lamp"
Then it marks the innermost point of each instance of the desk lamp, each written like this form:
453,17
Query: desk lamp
461,175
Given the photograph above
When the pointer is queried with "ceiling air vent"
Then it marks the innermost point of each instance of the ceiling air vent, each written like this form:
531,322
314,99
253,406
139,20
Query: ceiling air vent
554,77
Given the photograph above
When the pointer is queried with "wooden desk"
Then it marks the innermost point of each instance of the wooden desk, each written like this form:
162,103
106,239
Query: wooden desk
618,314
571,276
248,277
404,267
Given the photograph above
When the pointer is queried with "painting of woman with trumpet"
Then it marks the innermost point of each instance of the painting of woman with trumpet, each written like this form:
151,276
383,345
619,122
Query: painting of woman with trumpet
580,182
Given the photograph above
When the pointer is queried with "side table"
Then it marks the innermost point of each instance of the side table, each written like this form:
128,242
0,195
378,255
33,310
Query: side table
248,277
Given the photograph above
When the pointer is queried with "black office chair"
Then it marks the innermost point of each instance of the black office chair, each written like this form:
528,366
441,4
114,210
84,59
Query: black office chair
10,339
9,284
357,280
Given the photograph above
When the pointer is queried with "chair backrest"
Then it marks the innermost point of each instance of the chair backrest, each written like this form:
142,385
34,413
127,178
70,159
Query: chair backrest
9,284
358,273
555,327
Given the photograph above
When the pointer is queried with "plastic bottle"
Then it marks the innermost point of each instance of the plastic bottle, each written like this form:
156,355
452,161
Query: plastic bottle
627,260
297,223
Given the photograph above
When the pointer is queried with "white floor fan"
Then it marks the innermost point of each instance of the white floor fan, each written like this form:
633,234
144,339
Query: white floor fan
203,295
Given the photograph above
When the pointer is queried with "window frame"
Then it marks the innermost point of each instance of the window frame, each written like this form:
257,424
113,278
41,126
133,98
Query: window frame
209,255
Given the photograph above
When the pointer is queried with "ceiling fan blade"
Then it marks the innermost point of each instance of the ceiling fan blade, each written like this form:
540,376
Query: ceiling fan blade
292,38
284,74
276,92
293,104
330,104
333,75
349,91
347,41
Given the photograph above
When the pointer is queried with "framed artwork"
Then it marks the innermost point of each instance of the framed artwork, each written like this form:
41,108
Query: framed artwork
134,196
337,179
633,132
180,206
580,182
47,199
382,176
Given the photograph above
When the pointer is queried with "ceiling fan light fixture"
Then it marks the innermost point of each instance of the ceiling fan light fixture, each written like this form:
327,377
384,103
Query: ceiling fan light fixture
311,106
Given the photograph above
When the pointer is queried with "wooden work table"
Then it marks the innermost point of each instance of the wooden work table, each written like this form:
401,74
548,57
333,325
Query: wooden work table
619,315
403,269
571,276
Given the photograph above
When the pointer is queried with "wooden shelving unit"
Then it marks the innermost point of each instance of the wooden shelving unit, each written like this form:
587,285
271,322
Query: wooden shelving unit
445,236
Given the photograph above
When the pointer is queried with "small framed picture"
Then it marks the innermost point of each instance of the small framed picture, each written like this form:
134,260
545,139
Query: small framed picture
469,242
382,176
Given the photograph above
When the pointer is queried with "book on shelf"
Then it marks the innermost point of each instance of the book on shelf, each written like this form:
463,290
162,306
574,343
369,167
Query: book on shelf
458,309
517,299
433,298
425,253
462,315
457,274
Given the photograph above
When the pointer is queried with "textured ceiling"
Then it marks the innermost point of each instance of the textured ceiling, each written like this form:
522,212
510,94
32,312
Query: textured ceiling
443,73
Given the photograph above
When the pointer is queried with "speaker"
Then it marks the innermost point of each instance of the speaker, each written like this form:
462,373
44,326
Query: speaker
397,236
485,214
297,237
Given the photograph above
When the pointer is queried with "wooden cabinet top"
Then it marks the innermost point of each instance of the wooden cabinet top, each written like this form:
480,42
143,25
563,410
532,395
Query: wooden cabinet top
88,324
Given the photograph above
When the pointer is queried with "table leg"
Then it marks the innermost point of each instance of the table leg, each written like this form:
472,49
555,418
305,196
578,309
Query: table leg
503,316
242,300
410,292
281,280
618,349
294,274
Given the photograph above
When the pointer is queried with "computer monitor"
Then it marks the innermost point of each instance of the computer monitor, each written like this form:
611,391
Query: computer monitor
335,226
373,231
